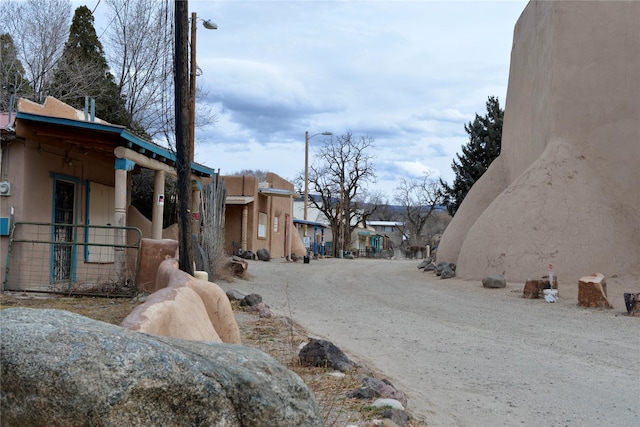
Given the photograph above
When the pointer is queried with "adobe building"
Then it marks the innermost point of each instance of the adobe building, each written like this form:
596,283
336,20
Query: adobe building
259,216
564,190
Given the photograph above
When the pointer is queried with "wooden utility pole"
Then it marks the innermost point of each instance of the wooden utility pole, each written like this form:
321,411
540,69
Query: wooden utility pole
183,143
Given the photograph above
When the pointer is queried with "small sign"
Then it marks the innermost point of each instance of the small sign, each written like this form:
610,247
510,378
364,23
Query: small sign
306,241
551,275
161,200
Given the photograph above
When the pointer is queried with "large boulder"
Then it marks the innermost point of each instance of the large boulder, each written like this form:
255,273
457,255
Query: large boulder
63,369
565,186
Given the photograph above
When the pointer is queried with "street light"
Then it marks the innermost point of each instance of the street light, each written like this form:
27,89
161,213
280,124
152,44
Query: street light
306,174
206,23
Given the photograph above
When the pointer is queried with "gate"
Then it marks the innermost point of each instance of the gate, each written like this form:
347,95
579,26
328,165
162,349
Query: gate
73,259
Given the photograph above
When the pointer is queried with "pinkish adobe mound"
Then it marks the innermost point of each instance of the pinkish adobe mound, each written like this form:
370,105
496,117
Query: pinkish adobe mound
566,187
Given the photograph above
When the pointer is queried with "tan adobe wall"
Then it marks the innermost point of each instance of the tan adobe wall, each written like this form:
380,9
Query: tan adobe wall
185,307
565,188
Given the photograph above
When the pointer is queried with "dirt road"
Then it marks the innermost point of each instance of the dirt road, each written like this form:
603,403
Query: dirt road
466,355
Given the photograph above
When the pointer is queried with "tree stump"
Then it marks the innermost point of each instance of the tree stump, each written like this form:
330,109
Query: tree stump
592,291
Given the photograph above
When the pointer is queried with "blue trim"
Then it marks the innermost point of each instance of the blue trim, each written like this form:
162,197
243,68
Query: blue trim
87,220
132,141
124,164
59,177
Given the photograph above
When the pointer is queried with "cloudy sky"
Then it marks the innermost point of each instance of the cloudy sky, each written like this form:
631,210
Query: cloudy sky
409,74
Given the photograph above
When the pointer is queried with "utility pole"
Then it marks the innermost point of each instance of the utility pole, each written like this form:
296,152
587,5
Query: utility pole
183,143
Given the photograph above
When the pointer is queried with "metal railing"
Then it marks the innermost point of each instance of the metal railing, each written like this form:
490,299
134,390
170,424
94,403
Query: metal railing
74,259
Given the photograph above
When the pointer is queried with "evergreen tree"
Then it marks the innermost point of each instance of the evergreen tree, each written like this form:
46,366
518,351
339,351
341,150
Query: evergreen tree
485,141
83,71
13,83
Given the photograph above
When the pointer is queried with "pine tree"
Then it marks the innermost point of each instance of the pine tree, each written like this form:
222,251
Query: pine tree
13,83
485,141
83,71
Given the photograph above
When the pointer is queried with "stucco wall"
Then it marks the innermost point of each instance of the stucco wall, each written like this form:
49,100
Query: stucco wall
274,206
565,188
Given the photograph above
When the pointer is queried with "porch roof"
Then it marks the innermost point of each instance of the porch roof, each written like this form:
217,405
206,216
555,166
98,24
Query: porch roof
103,138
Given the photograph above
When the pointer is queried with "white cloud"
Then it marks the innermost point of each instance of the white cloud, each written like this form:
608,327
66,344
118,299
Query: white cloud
409,74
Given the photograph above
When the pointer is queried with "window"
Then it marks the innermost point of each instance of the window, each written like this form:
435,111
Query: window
275,224
262,225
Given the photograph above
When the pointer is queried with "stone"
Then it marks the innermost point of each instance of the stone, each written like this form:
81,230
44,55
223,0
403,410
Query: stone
263,255
441,266
494,281
631,302
60,368
392,403
592,291
235,295
248,255
324,354
384,389
430,267
447,273
251,299
423,264
397,416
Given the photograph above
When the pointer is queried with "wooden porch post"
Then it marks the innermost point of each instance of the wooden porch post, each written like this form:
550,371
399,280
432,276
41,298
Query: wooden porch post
157,218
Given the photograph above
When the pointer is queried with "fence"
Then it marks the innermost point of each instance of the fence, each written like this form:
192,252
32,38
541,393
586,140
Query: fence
73,259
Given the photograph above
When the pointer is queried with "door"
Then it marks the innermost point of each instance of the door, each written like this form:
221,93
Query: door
63,213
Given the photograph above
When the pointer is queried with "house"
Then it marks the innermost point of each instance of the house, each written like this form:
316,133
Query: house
65,211
259,216
315,227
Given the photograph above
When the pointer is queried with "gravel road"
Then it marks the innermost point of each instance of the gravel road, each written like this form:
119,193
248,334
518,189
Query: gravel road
466,355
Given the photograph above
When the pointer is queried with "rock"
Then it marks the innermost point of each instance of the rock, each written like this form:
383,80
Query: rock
363,393
263,255
399,417
592,291
447,273
494,281
383,389
430,267
251,300
324,354
440,266
392,403
262,309
423,264
631,302
60,368
235,295
248,255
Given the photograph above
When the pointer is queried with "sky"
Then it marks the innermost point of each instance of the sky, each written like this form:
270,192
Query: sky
408,74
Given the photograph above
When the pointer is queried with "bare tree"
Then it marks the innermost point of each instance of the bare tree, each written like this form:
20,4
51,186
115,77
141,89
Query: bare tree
140,50
419,198
139,44
39,30
339,176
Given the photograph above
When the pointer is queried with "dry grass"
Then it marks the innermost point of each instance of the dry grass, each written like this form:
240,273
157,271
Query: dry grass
279,337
